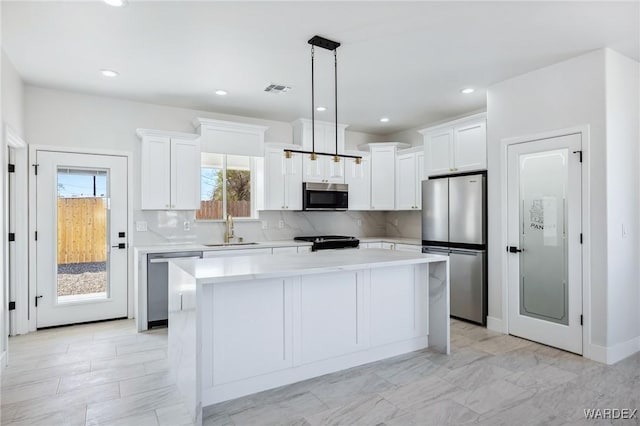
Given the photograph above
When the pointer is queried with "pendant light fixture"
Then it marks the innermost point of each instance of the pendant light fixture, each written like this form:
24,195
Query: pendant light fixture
313,155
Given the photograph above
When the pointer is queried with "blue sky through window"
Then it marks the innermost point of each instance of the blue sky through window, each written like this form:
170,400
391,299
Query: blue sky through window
72,185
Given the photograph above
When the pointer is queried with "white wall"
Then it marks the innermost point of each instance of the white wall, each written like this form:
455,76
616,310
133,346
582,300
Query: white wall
623,193
12,96
564,95
3,290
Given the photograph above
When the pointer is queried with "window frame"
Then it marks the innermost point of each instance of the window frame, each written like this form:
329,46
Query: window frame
253,168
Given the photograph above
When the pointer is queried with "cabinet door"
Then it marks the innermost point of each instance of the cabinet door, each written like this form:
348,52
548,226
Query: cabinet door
275,179
420,177
333,172
470,147
358,177
383,165
438,149
314,170
293,183
185,174
406,182
155,173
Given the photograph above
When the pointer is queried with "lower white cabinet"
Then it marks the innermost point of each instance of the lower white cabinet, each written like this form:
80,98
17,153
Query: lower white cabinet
388,245
408,247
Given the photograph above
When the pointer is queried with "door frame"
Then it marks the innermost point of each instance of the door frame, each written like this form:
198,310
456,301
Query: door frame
584,131
32,220
19,319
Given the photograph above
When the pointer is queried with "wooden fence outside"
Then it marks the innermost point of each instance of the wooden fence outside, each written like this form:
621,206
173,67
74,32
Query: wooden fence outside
212,209
82,230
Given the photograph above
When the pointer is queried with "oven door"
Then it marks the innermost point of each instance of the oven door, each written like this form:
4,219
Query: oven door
325,196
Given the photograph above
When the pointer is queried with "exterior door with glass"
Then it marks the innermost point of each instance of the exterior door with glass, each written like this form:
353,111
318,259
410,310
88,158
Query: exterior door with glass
544,241
81,254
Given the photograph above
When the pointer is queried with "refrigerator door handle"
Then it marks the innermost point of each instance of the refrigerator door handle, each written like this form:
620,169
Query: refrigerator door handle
465,252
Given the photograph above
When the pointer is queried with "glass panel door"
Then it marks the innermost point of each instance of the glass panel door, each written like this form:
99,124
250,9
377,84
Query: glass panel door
82,235
543,261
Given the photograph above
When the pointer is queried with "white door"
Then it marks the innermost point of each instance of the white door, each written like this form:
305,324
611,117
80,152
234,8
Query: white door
544,241
293,182
81,254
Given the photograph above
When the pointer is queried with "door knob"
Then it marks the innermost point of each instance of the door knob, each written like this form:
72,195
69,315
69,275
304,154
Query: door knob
120,246
512,249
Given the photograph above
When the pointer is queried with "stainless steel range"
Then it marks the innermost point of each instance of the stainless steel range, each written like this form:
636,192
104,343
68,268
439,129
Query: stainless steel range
326,242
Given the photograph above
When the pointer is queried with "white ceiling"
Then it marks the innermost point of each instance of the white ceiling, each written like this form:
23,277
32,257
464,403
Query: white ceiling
406,61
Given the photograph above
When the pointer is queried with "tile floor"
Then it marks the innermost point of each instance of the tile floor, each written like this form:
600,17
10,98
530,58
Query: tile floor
107,374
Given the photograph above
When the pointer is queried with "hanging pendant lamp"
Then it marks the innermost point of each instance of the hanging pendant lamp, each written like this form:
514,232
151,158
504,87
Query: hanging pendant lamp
313,155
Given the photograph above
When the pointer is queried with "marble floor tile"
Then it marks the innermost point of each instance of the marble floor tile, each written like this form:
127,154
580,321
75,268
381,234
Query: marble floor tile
145,383
339,392
29,391
501,344
98,377
474,375
372,410
540,378
441,413
101,412
498,394
145,419
173,415
420,393
73,415
129,359
282,410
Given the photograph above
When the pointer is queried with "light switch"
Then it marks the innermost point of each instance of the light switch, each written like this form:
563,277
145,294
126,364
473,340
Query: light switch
187,225
281,224
141,226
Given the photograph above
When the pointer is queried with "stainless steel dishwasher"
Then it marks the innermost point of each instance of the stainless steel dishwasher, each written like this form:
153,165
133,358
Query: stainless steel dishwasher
158,285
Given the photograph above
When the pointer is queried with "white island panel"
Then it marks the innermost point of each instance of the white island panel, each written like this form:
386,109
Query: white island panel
236,328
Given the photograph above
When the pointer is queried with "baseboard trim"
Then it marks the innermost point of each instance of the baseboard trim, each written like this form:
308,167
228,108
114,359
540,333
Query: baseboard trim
495,324
613,354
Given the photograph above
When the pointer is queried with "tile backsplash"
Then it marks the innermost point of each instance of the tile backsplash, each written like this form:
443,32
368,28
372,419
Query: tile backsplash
169,226
407,224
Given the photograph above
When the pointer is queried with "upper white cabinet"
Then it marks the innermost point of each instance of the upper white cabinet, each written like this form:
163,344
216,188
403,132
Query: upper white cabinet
456,147
169,170
409,176
283,179
358,177
323,169
383,173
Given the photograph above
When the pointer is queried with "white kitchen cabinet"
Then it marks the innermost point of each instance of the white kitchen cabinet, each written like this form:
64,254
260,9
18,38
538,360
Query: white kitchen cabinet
383,170
410,173
169,170
358,177
323,169
283,180
456,147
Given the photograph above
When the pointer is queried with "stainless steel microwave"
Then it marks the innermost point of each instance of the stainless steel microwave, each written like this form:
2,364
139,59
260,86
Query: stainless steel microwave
325,196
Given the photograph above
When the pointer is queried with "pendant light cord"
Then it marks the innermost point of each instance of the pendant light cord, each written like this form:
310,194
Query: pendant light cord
335,73
313,107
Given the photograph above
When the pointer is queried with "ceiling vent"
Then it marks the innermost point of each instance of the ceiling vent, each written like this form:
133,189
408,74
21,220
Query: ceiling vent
277,88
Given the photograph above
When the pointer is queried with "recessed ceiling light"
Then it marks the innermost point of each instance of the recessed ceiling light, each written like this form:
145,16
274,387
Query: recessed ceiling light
467,90
384,120
221,92
116,3
321,108
109,73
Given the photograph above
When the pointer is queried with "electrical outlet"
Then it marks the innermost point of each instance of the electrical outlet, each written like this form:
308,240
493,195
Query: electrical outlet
141,226
359,222
265,224
281,224
187,225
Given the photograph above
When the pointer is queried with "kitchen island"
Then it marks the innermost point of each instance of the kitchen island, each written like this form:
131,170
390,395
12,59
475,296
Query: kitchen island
240,325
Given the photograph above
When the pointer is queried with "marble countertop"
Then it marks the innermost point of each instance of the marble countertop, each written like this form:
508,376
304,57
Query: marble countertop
179,247
242,268
399,240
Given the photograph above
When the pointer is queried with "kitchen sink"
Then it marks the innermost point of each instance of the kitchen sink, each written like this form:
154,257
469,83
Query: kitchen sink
229,244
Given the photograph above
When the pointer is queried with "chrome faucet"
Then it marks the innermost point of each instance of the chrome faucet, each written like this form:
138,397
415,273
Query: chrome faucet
229,232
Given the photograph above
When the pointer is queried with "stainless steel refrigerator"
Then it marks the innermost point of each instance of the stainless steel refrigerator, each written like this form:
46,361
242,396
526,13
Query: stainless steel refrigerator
454,223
